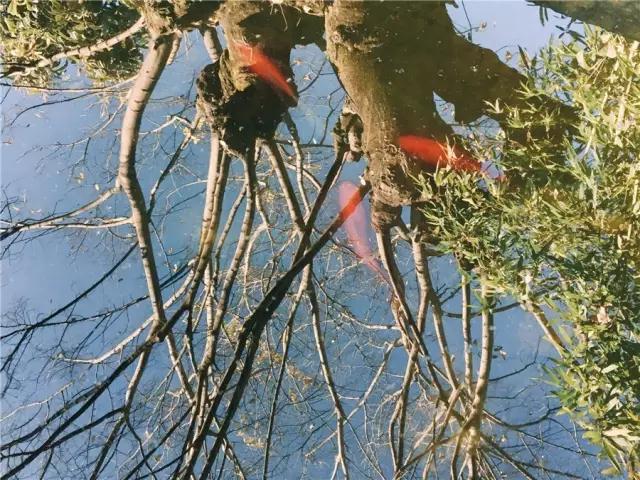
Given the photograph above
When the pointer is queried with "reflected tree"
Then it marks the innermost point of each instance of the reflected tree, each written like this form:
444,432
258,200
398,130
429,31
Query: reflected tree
253,350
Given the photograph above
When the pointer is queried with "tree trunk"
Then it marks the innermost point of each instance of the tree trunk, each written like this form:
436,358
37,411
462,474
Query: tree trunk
617,17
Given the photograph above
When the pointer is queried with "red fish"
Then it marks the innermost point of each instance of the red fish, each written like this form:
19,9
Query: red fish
434,154
261,65
356,225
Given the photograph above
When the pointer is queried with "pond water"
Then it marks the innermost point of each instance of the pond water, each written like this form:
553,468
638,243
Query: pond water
300,239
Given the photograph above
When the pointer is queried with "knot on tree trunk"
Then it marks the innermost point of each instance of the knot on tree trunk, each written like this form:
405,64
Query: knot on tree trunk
348,131
238,105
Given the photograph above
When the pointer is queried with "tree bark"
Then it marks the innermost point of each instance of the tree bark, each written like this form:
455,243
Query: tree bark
392,58
617,17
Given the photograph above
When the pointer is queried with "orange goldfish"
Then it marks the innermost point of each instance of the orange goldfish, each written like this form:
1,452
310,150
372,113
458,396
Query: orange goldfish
356,225
434,154
261,65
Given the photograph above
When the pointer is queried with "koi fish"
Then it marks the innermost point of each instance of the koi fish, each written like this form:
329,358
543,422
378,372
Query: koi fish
355,225
434,154
262,66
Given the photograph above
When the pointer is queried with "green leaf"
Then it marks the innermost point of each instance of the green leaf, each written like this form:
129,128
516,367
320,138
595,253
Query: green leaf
581,61
610,471
12,9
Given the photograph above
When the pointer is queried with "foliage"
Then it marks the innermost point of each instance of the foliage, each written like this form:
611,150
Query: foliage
565,223
35,31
